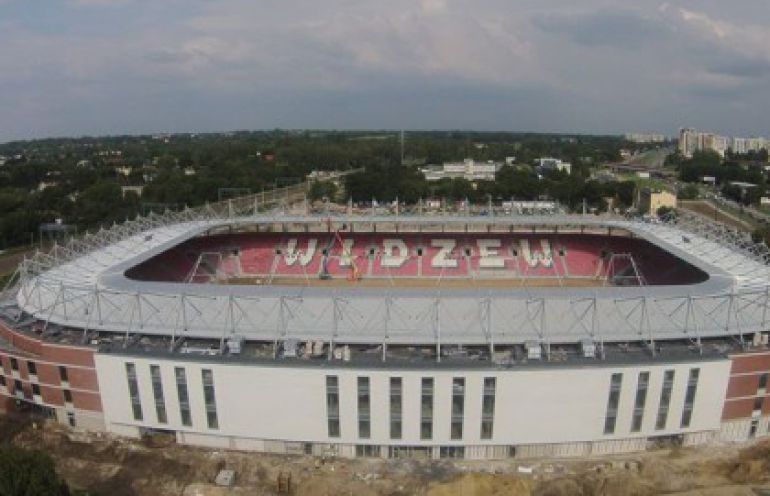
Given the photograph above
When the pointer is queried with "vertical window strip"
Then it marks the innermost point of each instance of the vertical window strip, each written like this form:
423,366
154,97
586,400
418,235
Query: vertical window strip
183,396
396,407
488,408
333,405
458,408
689,397
665,400
364,408
640,401
426,408
209,396
133,391
612,403
157,392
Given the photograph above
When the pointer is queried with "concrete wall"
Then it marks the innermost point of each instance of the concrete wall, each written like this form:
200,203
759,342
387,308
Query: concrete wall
547,406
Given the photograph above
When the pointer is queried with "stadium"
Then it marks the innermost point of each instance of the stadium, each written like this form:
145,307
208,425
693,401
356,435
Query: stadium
240,326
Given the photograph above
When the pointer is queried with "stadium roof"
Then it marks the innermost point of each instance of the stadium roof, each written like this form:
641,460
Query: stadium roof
83,285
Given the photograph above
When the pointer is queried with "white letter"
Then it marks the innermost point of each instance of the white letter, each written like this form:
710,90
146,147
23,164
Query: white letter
444,256
488,256
388,258
292,254
347,253
544,258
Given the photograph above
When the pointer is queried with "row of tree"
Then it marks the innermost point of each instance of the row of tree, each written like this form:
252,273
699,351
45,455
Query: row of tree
79,180
511,182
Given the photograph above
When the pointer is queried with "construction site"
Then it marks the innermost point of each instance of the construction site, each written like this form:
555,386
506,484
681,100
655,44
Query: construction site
101,464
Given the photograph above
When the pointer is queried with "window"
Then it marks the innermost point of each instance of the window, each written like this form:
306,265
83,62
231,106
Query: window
762,381
689,398
665,399
67,396
133,391
758,401
396,407
333,405
452,452
2,382
612,404
210,399
63,374
31,368
458,407
36,389
753,428
364,408
157,393
488,408
184,397
368,450
426,409
14,364
71,419
640,402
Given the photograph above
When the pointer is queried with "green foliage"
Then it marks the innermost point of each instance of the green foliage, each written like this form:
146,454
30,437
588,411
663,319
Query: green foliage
761,235
322,189
688,192
28,473
190,170
665,211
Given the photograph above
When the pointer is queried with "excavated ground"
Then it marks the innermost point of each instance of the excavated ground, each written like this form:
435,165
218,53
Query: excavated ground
106,465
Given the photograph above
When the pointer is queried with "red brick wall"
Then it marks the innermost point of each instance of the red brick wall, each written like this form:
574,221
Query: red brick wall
742,389
736,409
751,362
742,385
79,362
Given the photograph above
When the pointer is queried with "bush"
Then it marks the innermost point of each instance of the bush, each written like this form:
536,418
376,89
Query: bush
688,192
29,473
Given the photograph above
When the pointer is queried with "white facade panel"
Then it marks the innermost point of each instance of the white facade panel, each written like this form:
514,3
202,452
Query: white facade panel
544,406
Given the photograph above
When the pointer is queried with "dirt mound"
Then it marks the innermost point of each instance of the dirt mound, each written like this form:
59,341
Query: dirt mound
618,483
665,477
720,491
559,487
322,485
476,484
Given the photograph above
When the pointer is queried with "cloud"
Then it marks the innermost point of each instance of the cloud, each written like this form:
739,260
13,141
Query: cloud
605,28
494,64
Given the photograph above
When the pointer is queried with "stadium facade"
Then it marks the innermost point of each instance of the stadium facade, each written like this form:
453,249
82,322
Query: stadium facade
396,336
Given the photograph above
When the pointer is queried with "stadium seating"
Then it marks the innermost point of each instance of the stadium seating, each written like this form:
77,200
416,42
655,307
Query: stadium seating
401,255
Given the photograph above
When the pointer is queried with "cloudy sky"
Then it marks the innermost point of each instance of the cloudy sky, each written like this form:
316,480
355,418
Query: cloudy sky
74,67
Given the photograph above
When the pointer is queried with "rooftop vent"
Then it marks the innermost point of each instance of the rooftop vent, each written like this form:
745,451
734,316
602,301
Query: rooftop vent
534,350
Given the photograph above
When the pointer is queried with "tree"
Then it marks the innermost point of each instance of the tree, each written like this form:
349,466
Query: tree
322,189
665,211
688,192
29,473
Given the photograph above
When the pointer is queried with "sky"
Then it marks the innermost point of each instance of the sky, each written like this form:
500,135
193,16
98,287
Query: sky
96,67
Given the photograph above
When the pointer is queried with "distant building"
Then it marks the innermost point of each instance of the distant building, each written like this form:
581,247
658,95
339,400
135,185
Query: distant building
468,169
645,137
124,170
650,200
551,164
691,141
743,146
132,189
